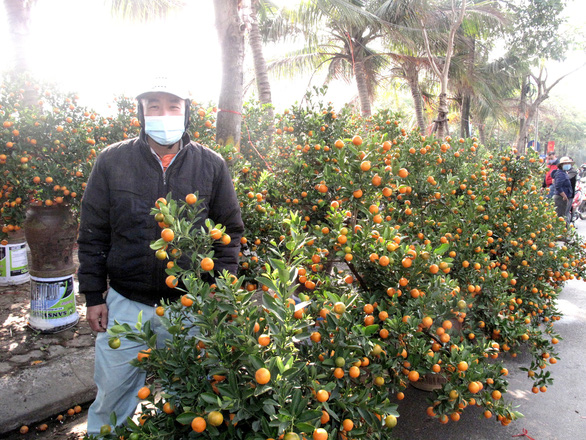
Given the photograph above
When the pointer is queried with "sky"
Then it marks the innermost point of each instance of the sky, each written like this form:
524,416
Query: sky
79,46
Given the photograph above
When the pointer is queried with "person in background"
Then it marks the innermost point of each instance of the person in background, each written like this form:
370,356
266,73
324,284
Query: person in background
552,165
563,192
119,273
573,176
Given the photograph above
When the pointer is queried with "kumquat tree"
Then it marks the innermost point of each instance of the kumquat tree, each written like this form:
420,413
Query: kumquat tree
48,143
374,259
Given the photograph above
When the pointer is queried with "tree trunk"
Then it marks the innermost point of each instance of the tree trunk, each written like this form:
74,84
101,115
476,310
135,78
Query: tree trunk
412,76
18,16
362,84
465,119
482,133
231,38
441,123
260,66
522,138
467,95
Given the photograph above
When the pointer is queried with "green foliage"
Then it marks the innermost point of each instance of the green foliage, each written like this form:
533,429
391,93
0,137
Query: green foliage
373,258
214,368
534,30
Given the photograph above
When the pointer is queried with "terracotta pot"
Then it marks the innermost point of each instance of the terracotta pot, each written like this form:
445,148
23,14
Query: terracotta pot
51,233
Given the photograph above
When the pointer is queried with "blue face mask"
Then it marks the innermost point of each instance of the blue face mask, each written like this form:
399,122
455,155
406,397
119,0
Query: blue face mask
566,167
164,130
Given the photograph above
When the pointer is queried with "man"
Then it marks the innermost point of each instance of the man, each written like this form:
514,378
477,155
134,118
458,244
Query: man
552,165
563,192
116,229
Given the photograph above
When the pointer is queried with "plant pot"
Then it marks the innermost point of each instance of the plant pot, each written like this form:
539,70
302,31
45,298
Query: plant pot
430,382
14,260
51,233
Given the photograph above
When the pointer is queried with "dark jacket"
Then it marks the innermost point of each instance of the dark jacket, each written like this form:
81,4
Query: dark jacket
573,176
117,228
562,184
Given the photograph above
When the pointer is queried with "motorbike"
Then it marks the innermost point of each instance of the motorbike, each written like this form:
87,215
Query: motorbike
578,210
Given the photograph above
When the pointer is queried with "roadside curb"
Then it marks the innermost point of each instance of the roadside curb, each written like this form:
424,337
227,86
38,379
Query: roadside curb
35,394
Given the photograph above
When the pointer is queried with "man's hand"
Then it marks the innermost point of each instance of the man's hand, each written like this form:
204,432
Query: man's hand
97,316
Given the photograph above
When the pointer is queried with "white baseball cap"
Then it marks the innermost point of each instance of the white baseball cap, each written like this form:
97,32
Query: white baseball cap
164,84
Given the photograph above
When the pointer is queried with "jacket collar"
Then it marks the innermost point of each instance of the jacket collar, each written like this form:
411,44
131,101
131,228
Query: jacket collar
145,148
142,137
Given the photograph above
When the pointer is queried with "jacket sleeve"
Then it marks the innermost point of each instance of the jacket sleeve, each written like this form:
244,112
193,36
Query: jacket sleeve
94,236
225,209
562,183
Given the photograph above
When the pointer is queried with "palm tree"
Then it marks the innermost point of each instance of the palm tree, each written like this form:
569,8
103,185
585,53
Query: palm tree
452,52
231,38
262,13
406,49
408,68
340,36
482,88
454,18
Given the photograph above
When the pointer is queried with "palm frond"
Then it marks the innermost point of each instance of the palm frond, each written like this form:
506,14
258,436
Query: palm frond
144,10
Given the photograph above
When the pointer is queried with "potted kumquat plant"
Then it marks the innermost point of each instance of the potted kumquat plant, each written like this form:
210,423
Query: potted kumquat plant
260,365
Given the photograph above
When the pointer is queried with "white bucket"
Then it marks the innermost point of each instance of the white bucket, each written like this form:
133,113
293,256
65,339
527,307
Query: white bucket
53,306
14,262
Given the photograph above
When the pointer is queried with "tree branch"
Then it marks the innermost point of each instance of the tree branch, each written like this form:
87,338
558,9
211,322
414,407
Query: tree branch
432,63
450,48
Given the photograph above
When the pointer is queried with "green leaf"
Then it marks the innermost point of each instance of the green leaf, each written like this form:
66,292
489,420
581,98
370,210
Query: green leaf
269,409
305,427
159,244
256,362
371,330
271,304
210,398
174,329
307,416
442,249
267,282
116,329
282,270
279,363
297,403
186,418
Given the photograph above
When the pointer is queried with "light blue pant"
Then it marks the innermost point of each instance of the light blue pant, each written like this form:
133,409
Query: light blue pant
118,382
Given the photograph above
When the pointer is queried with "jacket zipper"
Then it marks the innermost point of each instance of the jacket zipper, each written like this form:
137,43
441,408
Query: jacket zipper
165,172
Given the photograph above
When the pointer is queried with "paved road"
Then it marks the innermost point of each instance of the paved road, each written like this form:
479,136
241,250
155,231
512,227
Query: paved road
558,414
